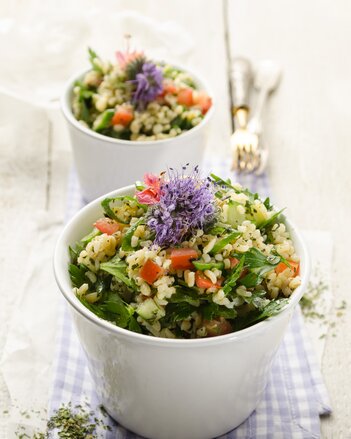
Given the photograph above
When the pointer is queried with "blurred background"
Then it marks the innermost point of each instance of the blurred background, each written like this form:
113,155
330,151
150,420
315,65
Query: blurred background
306,126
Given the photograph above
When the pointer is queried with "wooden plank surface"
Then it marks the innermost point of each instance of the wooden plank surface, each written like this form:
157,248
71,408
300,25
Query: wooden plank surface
307,130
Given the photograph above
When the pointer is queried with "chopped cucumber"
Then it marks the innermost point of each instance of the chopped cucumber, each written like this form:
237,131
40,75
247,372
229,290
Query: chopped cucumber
148,310
258,214
200,265
234,217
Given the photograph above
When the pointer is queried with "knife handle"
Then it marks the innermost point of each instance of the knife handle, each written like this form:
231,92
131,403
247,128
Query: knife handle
241,79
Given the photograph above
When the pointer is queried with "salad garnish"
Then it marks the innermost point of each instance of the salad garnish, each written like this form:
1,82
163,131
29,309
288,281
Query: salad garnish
186,256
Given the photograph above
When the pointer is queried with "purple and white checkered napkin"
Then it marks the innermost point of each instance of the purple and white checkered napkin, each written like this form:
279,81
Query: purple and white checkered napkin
295,396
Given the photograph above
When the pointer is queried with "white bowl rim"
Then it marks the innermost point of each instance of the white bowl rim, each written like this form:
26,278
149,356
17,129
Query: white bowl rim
147,339
67,112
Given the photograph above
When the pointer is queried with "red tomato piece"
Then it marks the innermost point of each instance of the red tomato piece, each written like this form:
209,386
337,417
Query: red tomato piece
233,262
295,266
123,116
108,226
170,88
202,100
185,97
181,258
204,282
216,327
151,271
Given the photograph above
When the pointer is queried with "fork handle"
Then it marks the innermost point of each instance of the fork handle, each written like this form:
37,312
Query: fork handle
241,79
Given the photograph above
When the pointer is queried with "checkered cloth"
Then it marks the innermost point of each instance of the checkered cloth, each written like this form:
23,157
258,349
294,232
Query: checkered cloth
294,398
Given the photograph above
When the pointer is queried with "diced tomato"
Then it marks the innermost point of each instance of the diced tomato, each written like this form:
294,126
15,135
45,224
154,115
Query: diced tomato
108,226
233,262
185,97
202,100
181,258
123,116
204,282
295,266
217,327
170,88
151,271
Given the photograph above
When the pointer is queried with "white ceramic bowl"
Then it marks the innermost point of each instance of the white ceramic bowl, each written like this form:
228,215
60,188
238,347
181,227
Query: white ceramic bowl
104,163
169,388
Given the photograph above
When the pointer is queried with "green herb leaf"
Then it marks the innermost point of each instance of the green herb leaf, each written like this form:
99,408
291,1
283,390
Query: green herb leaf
212,311
234,276
127,239
88,238
224,241
227,183
271,220
118,269
273,308
134,326
105,204
122,311
118,203
103,121
267,204
184,294
92,58
178,311
77,275
258,264
219,229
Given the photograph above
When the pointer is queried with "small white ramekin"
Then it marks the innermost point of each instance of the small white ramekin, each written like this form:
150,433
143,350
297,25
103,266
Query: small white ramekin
104,163
172,388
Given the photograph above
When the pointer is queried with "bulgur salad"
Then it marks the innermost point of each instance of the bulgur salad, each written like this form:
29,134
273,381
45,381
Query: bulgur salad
138,99
185,257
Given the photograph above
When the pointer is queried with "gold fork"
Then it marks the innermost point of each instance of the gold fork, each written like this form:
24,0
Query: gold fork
244,144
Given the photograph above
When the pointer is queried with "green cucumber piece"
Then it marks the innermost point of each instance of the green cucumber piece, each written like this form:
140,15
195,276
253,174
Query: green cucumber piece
200,265
148,310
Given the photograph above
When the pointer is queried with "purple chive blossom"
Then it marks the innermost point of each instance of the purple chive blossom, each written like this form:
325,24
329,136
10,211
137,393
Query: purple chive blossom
148,84
186,204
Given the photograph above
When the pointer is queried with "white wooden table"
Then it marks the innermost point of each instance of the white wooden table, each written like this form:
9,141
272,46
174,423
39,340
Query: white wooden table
307,129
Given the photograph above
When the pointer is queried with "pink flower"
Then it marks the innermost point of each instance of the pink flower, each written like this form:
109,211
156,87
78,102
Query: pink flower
152,181
152,193
123,58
